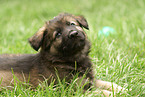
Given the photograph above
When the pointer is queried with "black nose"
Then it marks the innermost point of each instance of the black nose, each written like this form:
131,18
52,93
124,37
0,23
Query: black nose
73,34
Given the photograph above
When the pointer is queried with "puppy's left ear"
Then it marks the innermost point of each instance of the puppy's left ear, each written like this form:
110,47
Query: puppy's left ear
82,21
36,40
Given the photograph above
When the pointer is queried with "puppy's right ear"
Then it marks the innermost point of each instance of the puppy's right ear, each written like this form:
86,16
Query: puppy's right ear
36,40
82,21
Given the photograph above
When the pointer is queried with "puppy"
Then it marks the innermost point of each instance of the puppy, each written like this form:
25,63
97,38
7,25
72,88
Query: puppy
64,48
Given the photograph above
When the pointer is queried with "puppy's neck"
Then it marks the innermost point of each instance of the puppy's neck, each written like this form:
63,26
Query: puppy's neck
54,58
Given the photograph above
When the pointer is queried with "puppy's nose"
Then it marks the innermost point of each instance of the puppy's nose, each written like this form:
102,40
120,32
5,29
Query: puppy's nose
73,34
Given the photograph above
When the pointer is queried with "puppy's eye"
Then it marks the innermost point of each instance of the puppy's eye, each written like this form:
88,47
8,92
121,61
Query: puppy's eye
68,23
72,24
58,34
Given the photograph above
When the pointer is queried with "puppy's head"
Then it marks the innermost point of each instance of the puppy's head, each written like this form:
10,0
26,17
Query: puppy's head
62,35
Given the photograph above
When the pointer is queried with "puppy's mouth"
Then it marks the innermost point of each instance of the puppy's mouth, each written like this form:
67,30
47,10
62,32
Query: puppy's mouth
73,44
73,47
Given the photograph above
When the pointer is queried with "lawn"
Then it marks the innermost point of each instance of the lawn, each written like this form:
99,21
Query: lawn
119,57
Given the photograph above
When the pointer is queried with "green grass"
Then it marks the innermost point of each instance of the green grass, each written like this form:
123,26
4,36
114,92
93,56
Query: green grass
118,58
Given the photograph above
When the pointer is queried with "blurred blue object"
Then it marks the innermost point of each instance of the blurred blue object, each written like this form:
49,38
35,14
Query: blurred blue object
106,31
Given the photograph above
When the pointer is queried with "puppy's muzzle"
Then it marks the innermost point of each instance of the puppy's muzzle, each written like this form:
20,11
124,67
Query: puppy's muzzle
73,34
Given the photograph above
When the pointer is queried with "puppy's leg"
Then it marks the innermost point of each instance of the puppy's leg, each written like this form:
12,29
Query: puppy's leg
102,93
108,86
107,93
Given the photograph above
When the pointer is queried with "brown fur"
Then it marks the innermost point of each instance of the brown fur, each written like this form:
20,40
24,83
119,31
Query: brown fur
64,47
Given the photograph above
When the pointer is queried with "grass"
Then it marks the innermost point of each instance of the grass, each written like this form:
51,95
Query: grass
118,58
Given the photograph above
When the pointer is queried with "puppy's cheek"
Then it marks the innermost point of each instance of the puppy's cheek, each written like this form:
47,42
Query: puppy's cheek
55,45
57,42
53,50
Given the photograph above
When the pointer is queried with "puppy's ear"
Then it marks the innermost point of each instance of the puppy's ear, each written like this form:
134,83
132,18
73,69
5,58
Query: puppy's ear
36,40
83,22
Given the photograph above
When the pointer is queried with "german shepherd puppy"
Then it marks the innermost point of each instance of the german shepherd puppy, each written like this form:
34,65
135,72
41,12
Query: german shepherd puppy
64,48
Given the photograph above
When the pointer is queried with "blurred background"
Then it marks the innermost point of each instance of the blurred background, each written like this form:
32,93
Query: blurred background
21,19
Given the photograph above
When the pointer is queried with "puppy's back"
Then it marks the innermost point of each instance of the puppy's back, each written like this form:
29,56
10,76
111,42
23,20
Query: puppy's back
16,62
